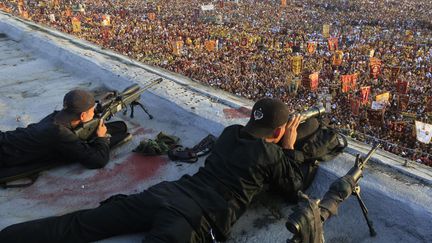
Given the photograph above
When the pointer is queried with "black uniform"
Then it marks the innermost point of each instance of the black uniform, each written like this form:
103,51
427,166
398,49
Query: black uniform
49,140
185,210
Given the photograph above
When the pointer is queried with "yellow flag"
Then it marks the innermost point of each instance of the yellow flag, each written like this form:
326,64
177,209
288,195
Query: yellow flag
297,64
76,25
326,31
106,20
384,97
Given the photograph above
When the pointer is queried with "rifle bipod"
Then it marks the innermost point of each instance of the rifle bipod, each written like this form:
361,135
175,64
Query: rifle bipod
356,192
133,104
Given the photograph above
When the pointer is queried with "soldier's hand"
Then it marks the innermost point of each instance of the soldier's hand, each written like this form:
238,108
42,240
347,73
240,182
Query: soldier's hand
290,135
102,130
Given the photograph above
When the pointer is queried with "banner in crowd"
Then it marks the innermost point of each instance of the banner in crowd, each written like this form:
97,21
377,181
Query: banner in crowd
349,82
311,47
177,47
377,105
283,3
106,20
210,45
297,64
76,25
151,16
424,132
403,101
376,117
384,97
333,43
355,105
402,87
365,92
326,30
208,7
337,58
310,82
394,73
375,67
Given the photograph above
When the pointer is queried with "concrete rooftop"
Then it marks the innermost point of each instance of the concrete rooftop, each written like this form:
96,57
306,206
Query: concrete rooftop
39,65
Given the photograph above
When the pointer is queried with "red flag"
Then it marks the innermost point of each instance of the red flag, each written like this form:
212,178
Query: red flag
346,83
311,47
314,81
365,91
337,58
349,82
333,43
402,87
375,67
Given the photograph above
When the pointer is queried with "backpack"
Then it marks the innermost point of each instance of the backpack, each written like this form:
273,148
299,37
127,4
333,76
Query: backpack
323,144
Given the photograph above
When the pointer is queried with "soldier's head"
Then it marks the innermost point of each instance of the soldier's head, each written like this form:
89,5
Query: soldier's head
268,120
79,105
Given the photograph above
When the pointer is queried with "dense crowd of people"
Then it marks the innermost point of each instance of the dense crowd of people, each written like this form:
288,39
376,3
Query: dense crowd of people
247,47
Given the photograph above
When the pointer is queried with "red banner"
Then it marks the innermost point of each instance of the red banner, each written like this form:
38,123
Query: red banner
314,81
337,58
310,81
333,43
151,16
375,67
365,92
349,82
402,87
311,47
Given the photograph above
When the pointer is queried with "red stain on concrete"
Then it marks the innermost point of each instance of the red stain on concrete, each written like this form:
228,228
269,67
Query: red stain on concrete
124,177
242,112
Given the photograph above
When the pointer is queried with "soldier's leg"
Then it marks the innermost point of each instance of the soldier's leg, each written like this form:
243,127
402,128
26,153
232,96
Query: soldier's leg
172,227
129,215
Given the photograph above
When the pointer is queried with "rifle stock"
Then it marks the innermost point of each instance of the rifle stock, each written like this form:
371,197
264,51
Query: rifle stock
114,103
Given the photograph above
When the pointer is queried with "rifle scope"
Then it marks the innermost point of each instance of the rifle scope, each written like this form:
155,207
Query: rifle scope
309,113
